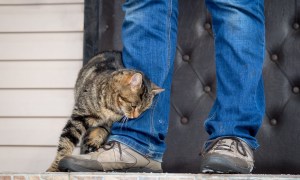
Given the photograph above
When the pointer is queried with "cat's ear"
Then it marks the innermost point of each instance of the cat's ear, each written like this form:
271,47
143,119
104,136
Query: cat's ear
136,81
156,89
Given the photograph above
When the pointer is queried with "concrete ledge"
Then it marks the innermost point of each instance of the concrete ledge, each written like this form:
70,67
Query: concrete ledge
141,176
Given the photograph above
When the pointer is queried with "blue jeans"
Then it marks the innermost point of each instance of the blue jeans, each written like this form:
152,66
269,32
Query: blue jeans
149,38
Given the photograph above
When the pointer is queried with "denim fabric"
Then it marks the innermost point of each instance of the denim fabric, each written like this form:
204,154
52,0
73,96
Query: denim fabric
149,39
239,32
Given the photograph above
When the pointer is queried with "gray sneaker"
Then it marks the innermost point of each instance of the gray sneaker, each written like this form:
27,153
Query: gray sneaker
113,156
227,155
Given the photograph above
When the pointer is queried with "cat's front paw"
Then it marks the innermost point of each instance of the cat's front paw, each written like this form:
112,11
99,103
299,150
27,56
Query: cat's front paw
91,145
93,140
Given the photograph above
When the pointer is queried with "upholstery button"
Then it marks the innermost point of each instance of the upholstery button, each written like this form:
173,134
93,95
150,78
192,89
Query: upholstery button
274,57
207,26
207,89
185,57
184,120
273,122
296,90
296,26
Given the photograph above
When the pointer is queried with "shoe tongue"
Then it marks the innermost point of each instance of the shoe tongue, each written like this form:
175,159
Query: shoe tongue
225,142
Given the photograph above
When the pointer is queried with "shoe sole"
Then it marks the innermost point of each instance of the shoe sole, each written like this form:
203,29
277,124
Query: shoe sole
67,166
222,165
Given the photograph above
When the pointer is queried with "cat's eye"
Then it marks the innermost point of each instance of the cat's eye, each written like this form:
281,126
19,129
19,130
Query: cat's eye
123,99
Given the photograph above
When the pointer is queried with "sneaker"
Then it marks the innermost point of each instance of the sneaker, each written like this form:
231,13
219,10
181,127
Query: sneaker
227,155
113,156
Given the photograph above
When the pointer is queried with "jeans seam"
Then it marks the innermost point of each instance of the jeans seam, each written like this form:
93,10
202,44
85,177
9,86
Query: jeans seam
212,116
169,33
214,113
168,27
152,130
263,40
255,97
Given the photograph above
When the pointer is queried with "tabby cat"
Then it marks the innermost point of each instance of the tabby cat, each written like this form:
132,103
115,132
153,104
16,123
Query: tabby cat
104,93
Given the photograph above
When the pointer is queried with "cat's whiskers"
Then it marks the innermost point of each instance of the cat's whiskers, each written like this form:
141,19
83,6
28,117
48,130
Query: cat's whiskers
124,121
152,106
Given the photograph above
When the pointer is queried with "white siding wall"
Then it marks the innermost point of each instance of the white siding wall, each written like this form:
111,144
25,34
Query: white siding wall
41,44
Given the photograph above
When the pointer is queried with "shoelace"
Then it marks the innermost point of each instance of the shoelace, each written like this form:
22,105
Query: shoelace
221,145
110,145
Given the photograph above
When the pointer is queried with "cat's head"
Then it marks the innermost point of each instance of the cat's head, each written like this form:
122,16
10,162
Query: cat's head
135,93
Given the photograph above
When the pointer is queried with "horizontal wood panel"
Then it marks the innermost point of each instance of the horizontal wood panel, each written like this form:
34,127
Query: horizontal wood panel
31,131
38,1
41,18
41,46
39,74
36,102
27,159
48,35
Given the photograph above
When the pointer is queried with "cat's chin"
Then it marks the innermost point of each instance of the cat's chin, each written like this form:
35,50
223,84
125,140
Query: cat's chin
131,116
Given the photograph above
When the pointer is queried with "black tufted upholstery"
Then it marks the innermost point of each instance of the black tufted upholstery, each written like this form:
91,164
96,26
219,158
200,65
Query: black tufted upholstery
193,88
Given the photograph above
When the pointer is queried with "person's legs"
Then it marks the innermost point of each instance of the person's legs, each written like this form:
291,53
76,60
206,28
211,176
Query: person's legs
149,39
238,27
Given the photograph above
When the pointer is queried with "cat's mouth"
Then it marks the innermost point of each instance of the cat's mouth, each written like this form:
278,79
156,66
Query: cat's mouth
133,116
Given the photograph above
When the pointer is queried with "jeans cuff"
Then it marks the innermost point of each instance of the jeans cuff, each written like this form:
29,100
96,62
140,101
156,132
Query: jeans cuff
156,156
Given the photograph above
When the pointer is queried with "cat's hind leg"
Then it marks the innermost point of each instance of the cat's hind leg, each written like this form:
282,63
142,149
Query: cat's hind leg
69,138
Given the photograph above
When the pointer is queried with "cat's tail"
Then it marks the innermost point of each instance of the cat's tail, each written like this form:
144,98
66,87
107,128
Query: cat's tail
69,138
